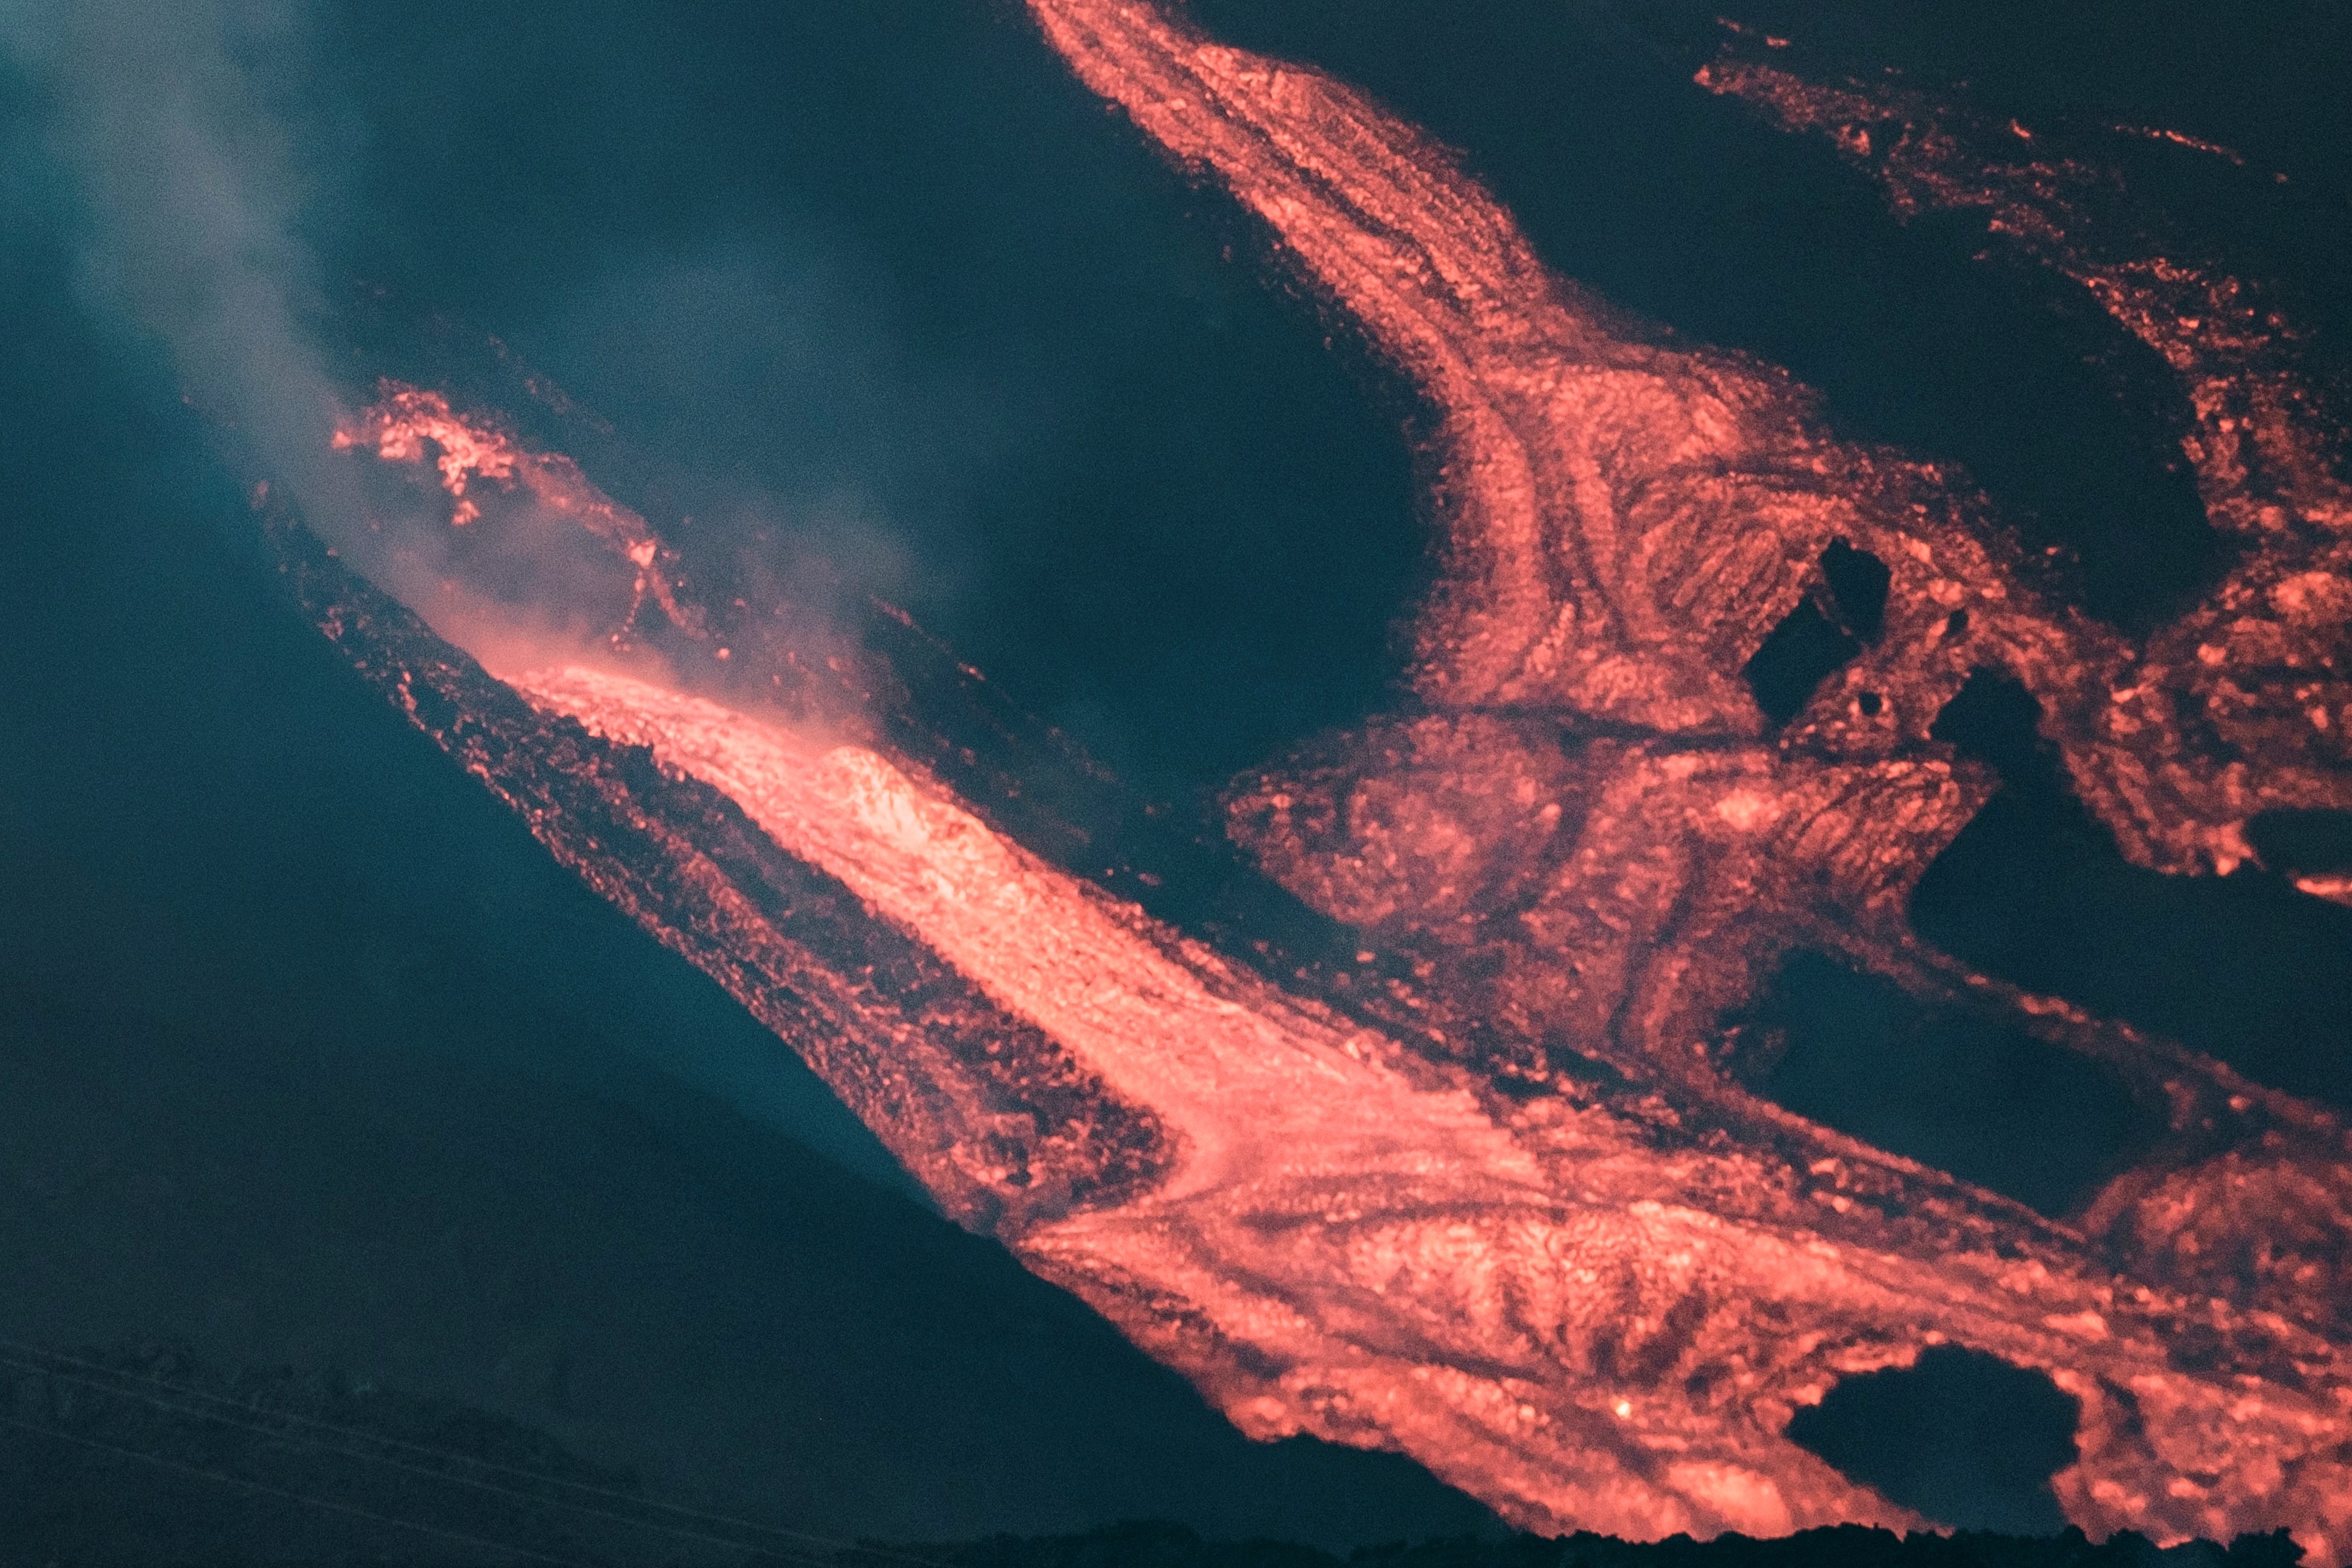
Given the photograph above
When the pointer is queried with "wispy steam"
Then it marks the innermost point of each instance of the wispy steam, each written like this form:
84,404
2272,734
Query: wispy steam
182,153
189,162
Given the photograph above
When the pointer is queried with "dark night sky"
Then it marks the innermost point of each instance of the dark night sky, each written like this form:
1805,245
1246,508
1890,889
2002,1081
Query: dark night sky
310,1055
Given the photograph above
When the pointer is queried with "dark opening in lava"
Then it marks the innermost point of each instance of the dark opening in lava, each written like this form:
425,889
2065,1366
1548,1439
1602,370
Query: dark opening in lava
1801,653
1963,1438
1987,1103
2299,843
2035,891
1859,581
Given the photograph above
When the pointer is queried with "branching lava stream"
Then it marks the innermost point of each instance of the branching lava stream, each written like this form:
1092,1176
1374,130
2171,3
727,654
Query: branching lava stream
1515,1215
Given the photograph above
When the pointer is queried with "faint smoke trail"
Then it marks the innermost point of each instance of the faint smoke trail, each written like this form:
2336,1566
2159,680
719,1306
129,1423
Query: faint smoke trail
172,126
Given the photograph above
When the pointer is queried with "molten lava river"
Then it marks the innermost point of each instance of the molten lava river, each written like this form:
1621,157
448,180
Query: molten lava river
1497,1197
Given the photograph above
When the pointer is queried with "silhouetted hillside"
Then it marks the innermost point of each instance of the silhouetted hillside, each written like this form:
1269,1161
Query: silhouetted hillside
145,1456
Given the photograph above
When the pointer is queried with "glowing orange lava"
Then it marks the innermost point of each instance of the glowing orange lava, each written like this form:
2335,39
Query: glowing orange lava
2258,659
1627,524
1590,1322
408,424
1397,1214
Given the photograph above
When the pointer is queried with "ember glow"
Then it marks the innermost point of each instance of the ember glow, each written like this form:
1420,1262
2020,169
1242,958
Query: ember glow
407,424
1515,1215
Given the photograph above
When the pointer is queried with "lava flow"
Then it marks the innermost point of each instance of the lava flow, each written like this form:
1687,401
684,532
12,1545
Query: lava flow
405,423
1515,1215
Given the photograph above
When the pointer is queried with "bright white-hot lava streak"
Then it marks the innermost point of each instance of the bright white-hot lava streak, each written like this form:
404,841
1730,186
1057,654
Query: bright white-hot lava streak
1353,1242
1239,1071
